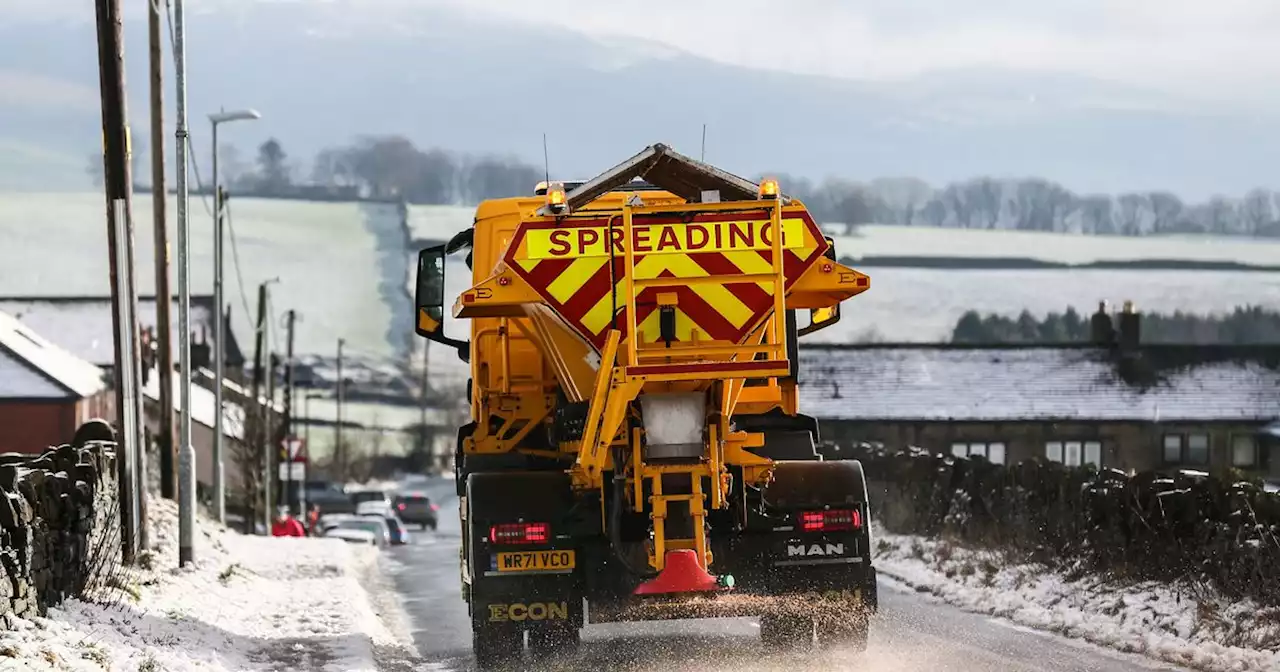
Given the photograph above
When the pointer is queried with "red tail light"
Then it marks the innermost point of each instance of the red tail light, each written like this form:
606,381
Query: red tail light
830,521
435,507
519,533
401,506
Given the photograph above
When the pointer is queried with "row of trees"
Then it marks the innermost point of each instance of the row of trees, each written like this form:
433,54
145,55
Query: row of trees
1244,325
1034,205
384,167
392,167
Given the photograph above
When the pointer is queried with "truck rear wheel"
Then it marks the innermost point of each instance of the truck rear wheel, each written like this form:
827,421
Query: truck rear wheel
786,631
846,633
495,647
553,641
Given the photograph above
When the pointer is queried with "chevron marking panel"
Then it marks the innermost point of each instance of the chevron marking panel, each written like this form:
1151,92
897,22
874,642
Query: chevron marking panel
574,263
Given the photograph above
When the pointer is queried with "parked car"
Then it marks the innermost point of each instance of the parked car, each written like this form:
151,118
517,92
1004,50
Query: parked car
330,497
416,508
399,532
359,497
352,536
376,508
372,524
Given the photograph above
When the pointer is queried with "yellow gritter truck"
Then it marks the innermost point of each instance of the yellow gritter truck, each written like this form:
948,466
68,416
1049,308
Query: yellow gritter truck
636,450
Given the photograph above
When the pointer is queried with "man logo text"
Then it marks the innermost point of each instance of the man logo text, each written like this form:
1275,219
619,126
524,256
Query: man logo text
814,550
534,611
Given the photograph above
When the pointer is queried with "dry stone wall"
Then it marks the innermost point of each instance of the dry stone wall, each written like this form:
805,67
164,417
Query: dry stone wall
59,532
1167,526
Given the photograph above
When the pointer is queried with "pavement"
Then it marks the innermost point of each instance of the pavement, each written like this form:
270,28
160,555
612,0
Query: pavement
913,632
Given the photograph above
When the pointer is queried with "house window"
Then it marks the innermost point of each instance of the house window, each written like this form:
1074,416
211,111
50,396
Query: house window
1093,453
1074,453
1172,448
1186,449
1198,449
993,451
1244,451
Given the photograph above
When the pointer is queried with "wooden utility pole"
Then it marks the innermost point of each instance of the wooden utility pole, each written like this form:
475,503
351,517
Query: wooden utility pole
118,183
339,452
164,300
270,446
289,497
423,448
255,432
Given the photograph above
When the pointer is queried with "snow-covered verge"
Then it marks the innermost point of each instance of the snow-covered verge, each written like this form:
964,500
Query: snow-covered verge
1181,624
248,603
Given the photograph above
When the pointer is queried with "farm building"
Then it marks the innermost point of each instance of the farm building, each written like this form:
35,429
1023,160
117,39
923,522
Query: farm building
1123,406
45,391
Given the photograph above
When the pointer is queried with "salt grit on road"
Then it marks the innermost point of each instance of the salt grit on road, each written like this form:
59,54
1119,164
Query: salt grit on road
249,603
1181,624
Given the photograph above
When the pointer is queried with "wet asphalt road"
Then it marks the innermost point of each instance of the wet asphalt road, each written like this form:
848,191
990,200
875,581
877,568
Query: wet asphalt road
913,632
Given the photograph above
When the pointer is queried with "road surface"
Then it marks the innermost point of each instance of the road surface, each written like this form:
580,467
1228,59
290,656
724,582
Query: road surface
913,632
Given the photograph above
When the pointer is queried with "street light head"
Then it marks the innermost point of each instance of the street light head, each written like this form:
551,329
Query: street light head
234,115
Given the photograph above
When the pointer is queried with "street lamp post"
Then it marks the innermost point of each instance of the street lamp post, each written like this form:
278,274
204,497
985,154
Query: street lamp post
219,350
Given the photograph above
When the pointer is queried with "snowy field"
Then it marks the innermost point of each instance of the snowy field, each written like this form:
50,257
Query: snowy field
1073,249
249,603
1173,623
345,269
327,257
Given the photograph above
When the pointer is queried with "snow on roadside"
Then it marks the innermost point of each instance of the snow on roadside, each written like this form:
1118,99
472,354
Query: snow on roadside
1173,623
248,603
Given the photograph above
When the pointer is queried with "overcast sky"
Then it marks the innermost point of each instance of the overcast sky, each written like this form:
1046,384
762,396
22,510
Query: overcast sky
1219,53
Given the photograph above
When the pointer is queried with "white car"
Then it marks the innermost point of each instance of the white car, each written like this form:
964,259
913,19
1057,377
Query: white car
352,536
374,508
377,527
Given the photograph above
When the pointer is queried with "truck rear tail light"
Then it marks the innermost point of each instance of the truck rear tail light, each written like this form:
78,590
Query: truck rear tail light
830,521
400,506
435,507
519,533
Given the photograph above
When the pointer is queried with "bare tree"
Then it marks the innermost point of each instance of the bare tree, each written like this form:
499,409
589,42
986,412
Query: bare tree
1256,210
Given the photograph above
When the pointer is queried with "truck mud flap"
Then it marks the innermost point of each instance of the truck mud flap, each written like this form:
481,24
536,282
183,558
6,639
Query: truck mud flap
780,555
524,581
521,612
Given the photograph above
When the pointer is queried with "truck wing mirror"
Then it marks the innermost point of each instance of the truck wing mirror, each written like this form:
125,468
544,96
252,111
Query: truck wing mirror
821,318
429,297
429,301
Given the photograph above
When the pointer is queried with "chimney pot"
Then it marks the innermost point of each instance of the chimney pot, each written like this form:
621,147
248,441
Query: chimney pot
1130,328
1101,329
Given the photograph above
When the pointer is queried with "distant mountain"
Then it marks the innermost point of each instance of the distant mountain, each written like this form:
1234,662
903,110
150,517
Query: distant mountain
322,72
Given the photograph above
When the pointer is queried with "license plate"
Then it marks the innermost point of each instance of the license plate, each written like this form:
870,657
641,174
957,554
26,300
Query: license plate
534,561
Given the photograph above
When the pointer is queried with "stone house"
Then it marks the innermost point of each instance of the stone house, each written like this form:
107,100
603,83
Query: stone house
1121,405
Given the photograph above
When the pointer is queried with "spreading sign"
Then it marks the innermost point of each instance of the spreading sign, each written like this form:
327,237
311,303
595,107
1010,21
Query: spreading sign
594,241
577,265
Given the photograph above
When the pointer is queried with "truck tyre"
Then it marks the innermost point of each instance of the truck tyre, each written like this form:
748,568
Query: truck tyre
553,641
786,631
847,633
495,648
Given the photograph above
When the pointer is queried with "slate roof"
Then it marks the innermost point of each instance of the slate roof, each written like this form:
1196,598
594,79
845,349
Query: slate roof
968,383
31,367
202,405
82,324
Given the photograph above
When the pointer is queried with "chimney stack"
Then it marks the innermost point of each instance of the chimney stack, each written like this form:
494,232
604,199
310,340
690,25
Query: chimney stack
1101,330
1130,328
